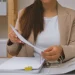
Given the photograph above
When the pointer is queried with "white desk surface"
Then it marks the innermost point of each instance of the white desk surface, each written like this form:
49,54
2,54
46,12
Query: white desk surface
44,71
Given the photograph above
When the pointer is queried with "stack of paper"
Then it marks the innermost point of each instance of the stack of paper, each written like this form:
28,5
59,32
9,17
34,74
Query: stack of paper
20,63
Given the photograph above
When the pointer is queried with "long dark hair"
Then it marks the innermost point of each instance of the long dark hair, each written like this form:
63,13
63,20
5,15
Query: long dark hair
32,20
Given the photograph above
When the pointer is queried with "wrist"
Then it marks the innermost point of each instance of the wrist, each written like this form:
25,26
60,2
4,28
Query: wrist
62,57
9,42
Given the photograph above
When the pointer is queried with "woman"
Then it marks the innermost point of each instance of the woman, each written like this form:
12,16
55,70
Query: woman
45,24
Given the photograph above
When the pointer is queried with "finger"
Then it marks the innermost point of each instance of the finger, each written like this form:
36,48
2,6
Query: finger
17,40
22,42
12,34
50,53
51,58
11,39
15,34
49,49
14,39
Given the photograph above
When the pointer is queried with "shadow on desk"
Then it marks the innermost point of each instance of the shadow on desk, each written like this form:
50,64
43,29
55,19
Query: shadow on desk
72,72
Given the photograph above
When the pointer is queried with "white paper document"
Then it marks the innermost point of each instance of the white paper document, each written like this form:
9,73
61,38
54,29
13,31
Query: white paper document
38,50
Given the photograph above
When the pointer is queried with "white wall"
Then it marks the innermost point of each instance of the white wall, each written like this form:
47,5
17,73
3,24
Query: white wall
66,3
3,48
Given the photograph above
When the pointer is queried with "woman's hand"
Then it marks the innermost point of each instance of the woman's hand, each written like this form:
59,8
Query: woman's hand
13,37
53,53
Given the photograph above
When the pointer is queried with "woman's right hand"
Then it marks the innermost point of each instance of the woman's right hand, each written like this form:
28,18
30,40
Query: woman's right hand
13,37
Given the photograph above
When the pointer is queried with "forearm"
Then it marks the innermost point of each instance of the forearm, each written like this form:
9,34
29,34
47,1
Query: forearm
69,51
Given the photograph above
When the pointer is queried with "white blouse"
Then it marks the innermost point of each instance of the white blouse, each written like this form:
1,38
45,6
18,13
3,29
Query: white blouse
50,35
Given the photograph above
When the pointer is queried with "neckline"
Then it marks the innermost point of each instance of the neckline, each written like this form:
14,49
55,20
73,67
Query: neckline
50,18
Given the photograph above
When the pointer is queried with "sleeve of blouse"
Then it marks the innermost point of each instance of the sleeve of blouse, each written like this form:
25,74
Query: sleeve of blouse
69,50
14,48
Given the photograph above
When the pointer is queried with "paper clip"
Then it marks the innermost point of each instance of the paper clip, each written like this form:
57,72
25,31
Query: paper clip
29,68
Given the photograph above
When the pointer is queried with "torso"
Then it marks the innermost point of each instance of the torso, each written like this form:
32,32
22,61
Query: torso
50,36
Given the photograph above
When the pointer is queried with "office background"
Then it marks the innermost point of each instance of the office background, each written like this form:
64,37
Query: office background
66,3
23,4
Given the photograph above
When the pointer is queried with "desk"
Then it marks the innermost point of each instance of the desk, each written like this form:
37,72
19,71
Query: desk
44,71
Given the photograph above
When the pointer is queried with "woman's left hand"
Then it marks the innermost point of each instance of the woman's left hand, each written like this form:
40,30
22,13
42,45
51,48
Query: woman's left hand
53,53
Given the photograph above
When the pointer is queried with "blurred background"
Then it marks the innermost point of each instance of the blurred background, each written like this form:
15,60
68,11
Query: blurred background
8,15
